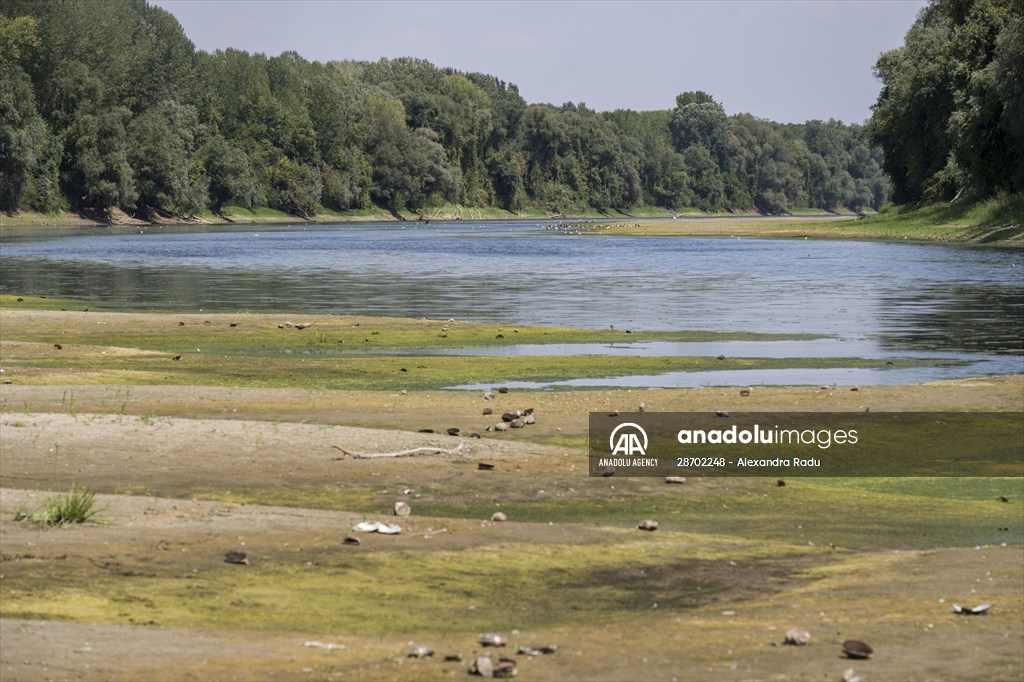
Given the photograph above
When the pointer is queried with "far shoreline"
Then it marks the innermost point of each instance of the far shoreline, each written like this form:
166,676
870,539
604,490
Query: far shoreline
805,224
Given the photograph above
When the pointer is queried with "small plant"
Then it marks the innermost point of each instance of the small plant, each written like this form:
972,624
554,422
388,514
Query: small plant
75,506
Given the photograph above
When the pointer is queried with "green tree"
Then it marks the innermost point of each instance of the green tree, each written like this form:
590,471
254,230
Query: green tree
230,174
16,35
295,187
21,132
407,167
1008,66
99,175
707,190
162,146
940,115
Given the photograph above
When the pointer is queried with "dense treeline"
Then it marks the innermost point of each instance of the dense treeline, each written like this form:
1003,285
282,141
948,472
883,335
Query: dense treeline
950,116
107,103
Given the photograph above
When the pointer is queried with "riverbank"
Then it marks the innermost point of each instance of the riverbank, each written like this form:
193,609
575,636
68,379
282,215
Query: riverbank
998,220
186,474
993,222
282,472
237,215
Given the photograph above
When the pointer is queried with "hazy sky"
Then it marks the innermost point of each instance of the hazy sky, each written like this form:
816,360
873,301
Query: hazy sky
784,60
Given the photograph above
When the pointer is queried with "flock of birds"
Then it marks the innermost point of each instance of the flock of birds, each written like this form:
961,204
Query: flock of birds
578,228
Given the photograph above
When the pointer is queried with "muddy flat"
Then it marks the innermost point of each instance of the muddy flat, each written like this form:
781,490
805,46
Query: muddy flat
185,475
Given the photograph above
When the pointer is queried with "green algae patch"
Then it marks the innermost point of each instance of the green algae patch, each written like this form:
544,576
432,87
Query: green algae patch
331,498
990,490
266,334
71,364
803,512
14,303
500,586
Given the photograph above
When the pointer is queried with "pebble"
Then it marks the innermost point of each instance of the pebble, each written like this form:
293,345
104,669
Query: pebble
482,666
797,637
420,651
856,649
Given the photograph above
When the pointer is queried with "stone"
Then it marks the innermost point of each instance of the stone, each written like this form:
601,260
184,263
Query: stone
420,651
854,648
797,637
482,666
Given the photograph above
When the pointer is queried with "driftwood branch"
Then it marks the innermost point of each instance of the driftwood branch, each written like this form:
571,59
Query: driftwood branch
401,453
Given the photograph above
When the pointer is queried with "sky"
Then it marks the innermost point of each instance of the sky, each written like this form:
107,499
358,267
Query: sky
784,60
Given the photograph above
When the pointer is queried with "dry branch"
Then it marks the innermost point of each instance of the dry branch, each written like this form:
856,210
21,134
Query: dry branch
434,450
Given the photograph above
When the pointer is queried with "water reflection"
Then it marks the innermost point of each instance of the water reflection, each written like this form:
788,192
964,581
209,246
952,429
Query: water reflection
965,316
881,299
843,376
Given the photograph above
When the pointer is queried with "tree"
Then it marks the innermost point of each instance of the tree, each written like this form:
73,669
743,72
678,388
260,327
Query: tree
21,132
162,145
16,35
230,173
99,174
1008,74
408,167
294,187
940,114
707,190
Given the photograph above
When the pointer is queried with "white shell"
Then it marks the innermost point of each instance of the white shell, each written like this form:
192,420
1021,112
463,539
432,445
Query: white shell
973,611
850,676
367,526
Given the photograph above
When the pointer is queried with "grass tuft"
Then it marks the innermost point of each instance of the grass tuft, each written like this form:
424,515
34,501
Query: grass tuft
77,505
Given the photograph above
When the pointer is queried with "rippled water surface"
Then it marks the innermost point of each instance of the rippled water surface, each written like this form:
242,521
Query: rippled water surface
897,298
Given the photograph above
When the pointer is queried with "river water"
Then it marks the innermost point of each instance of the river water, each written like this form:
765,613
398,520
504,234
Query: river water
871,299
